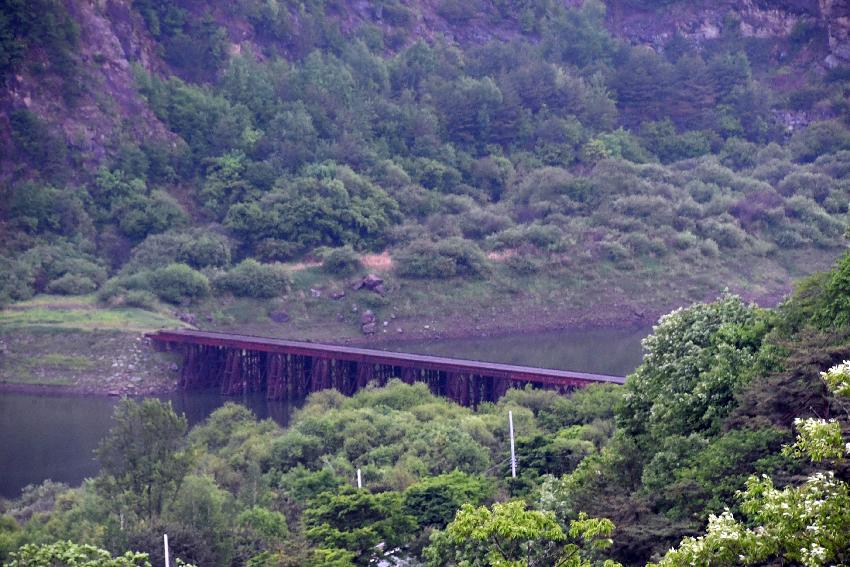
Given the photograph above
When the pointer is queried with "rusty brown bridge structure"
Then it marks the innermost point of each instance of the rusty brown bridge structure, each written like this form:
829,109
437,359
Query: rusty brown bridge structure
237,364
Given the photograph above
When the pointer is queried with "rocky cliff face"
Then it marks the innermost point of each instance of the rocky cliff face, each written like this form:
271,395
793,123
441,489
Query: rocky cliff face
114,38
702,20
836,16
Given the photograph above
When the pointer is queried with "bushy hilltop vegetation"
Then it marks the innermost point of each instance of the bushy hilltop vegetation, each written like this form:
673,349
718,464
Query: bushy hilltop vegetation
556,150
702,433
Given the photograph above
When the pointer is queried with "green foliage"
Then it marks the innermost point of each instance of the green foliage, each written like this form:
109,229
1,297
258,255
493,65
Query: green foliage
837,379
583,406
37,143
589,40
249,278
819,439
834,302
59,269
433,501
570,154
71,284
329,205
443,259
198,248
44,210
529,143
44,24
357,521
176,283
143,458
695,361
662,139
819,139
342,261
70,554
196,46
806,524
392,430
691,476
140,216
456,11
511,535
203,509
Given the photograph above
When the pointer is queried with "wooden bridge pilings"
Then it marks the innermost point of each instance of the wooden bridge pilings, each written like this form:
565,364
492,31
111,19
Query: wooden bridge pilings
284,370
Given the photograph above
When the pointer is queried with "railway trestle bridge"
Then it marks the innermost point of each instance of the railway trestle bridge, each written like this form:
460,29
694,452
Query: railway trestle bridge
237,364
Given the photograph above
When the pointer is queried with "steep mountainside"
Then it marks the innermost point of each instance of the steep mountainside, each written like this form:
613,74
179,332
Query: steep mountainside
113,38
499,158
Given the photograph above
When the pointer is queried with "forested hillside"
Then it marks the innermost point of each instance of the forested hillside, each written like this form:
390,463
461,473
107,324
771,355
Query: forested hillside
638,156
491,164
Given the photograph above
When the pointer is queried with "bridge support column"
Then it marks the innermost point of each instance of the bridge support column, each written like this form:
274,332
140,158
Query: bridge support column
231,382
409,375
236,364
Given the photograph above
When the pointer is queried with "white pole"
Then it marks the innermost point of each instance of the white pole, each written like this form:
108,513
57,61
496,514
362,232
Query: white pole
513,453
165,544
359,479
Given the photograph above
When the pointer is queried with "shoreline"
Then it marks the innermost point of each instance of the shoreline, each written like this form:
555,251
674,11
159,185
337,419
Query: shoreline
614,315
58,390
576,324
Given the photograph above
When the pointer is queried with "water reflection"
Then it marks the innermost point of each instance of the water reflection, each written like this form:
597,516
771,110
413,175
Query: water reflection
54,436
602,351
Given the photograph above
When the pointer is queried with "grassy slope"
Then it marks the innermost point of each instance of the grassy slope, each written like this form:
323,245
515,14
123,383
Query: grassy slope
72,342
505,302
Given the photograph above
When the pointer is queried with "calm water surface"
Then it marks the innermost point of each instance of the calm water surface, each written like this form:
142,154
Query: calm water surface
54,437
601,351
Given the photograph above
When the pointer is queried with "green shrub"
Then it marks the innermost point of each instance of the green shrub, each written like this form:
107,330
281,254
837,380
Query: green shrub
16,281
542,236
341,261
812,185
789,238
444,259
457,11
176,283
837,202
140,298
84,268
45,264
709,248
198,248
139,215
276,250
738,153
72,284
522,264
773,171
642,245
250,278
614,251
818,139
478,223
36,143
685,240
433,501
725,233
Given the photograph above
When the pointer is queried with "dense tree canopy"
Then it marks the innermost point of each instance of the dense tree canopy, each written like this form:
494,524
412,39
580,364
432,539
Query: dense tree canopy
544,155
548,145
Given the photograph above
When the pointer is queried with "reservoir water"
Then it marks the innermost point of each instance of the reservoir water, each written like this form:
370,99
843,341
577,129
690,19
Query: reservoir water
54,437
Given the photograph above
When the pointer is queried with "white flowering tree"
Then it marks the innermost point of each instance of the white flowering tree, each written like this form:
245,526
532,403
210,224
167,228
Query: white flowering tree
807,524
694,362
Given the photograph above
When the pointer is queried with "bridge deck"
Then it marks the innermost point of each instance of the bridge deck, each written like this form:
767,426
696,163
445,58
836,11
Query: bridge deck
364,355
